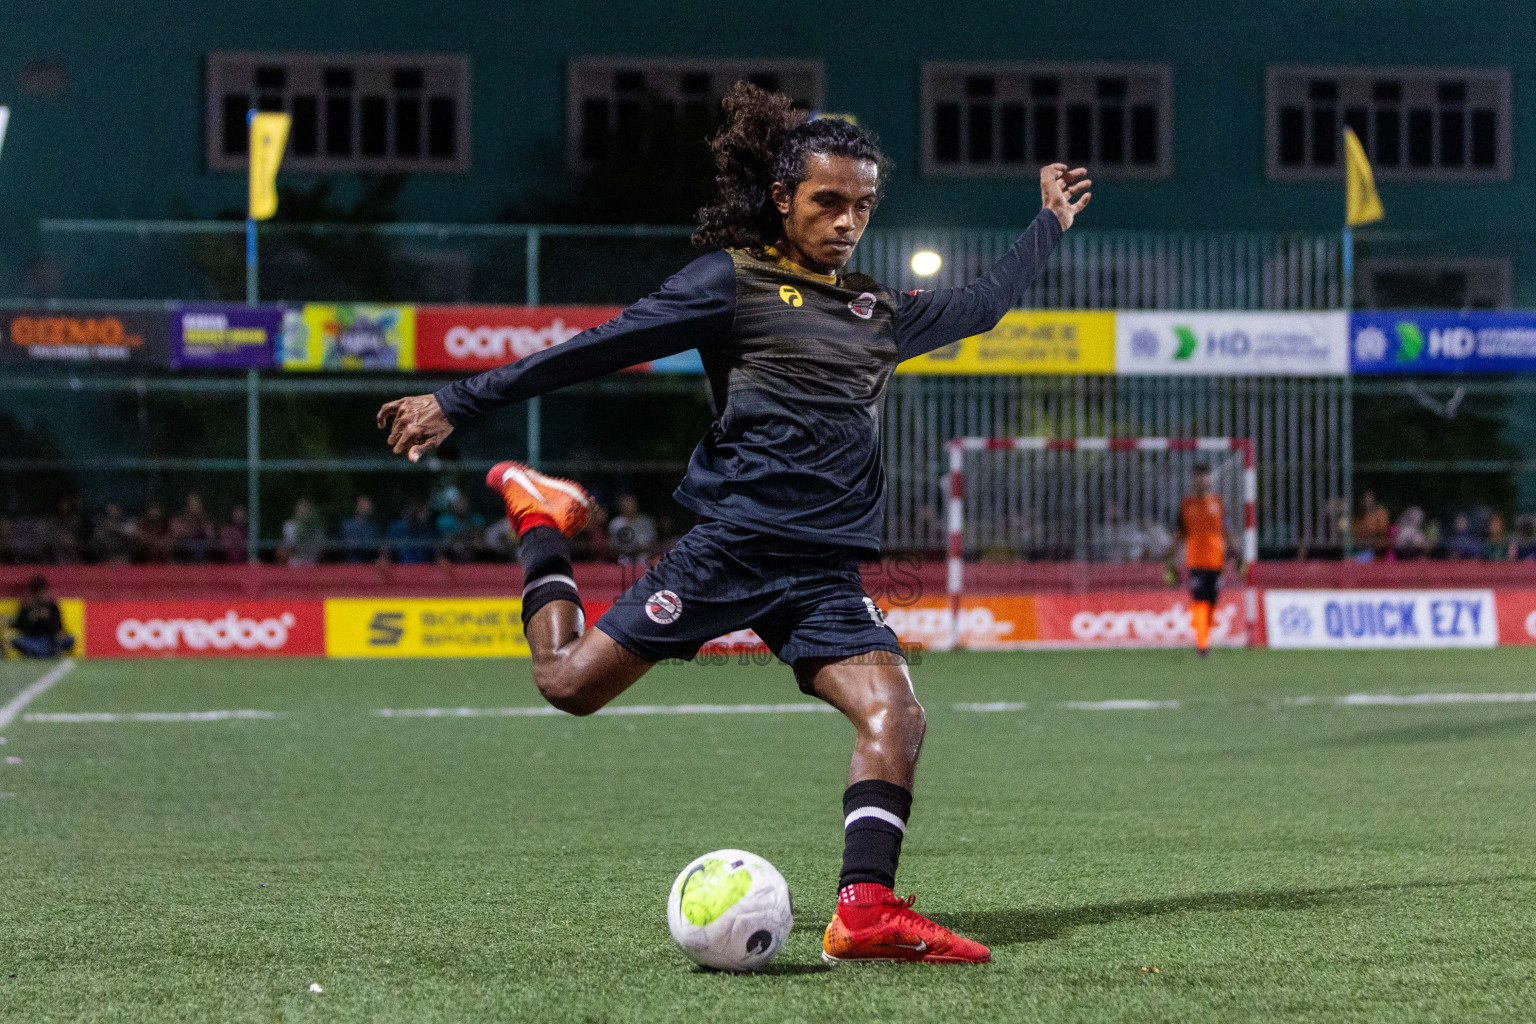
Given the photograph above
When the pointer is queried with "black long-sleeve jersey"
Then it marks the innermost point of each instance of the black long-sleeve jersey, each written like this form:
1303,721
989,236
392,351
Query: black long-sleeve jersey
797,364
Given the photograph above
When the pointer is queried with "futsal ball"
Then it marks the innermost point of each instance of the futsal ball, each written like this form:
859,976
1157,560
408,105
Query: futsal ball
730,910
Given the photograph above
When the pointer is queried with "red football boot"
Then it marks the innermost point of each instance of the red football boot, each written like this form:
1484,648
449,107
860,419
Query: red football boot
537,499
872,924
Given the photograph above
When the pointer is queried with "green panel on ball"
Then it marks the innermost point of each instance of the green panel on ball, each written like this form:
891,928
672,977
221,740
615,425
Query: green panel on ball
711,889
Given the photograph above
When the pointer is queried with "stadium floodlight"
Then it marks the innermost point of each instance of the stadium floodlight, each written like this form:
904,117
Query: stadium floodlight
926,262
5,119
1096,507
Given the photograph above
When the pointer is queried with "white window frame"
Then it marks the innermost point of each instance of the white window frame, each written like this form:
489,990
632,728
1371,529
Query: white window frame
1030,167
371,71
724,69
1503,133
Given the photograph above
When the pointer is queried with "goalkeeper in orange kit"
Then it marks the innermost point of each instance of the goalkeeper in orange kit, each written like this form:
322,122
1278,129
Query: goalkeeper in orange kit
1202,532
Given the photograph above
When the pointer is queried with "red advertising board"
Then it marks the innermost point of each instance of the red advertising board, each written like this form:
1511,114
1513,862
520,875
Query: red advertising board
1134,618
204,629
470,339
1517,616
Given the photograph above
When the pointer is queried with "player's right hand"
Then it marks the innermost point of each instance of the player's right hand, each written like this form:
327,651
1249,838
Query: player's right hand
420,425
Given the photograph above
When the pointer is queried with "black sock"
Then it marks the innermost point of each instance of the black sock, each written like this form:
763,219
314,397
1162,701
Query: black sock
546,570
874,820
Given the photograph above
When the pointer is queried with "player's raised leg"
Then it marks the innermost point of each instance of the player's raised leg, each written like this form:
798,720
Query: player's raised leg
577,670
875,693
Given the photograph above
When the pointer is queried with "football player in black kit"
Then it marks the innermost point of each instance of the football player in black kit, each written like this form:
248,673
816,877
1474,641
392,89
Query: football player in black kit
788,485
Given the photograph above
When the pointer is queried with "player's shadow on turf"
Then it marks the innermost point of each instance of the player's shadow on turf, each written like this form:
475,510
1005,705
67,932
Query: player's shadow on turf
1440,732
774,969
1006,927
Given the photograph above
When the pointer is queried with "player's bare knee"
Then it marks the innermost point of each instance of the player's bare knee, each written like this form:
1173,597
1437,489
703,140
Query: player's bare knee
563,689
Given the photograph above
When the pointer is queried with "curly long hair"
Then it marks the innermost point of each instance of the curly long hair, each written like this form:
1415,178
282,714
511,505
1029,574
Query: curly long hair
766,139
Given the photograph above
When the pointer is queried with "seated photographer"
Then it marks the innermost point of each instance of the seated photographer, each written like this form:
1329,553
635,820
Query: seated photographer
38,628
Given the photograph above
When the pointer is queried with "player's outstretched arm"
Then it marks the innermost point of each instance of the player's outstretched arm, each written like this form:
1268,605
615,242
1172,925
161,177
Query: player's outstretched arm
693,308
932,319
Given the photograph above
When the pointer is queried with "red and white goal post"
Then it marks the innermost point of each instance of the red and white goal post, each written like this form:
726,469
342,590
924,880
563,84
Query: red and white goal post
1055,502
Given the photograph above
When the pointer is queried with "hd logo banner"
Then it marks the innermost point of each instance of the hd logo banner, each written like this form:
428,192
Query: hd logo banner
425,628
1375,619
1424,342
1232,344
1029,341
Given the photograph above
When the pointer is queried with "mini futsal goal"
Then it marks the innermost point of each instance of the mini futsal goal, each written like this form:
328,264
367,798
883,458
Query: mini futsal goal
1092,517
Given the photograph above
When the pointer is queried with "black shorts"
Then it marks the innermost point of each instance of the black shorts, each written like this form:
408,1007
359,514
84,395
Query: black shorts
1204,584
803,600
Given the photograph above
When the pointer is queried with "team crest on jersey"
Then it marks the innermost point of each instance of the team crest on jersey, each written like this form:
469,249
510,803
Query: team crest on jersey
791,295
864,306
663,607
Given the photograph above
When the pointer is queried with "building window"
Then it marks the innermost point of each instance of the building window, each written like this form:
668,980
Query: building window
642,105
1436,283
1009,119
351,112
1415,123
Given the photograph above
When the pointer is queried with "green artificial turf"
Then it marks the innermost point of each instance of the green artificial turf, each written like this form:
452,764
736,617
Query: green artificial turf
1270,861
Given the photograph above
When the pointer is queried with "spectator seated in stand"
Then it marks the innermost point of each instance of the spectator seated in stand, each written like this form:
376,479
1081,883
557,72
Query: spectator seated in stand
152,534
412,540
234,535
1497,545
112,536
459,530
192,533
361,540
1408,537
303,536
1525,537
38,627
1373,527
1463,543
631,532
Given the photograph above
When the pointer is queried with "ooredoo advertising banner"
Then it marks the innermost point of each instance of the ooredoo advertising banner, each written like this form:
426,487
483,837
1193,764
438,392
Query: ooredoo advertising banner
1377,619
1422,342
469,339
204,629
1029,341
1135,618
84,336
353,336
1517,617
425,628
1232,344
225,336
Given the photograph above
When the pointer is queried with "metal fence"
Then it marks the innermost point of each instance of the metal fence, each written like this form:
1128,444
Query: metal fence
1301,429
516,263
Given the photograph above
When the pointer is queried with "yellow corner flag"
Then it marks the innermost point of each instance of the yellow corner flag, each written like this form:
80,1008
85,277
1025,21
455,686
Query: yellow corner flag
269,134
1361,203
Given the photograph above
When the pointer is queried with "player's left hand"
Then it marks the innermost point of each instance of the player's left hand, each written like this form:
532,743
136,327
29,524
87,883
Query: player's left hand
420,425
1064,192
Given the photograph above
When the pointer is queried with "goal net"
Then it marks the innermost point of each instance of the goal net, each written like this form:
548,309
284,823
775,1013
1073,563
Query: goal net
1064,542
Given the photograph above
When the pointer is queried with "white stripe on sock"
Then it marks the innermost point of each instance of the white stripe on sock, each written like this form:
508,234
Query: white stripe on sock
553,578
875,812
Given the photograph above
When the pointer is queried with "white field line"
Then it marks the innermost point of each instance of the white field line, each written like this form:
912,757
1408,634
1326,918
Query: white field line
1119,705
75,717
37,689
628,709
